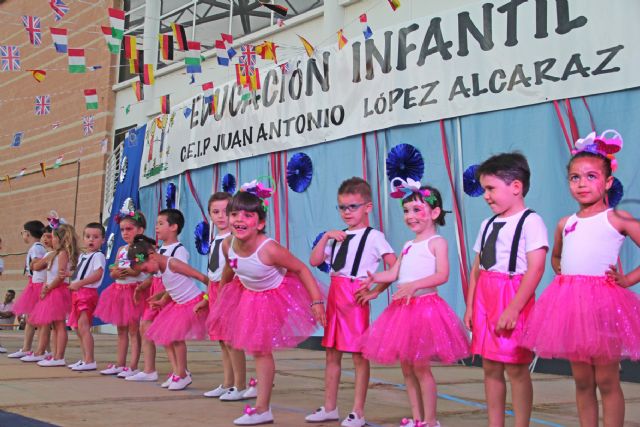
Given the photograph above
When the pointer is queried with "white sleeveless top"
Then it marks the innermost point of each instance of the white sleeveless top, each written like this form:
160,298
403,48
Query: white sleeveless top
417,263
253,273
589,245
52,273
123,262
181,288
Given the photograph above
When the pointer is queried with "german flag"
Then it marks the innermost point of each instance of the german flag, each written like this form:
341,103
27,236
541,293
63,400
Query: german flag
165,105
166,46
138,90
147,75
130,47
180,36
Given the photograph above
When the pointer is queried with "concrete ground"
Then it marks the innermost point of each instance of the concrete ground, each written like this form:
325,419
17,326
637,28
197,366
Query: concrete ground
61,397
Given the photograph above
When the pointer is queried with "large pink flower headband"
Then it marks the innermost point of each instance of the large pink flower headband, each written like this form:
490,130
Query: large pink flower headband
54,220
128,211
260,190
404,189
603,145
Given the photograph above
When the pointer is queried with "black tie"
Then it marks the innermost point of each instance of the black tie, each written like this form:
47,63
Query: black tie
341,257
488,255
214,261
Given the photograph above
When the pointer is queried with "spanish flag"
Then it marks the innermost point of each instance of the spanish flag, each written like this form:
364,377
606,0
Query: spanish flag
307,46
147,76
39,75
130,47
138,90
180,36
342,40
165,105
394,4
166,46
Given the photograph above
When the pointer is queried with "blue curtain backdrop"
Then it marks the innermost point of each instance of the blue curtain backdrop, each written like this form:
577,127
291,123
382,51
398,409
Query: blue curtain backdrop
533,130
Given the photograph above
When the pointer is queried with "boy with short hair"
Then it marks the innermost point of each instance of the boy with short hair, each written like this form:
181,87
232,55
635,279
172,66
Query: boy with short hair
354,251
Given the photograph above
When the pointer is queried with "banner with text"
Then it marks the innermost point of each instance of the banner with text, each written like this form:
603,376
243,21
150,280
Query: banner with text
485,57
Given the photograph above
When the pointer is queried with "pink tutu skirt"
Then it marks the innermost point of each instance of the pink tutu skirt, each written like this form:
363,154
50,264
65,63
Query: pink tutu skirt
222,309
28,298
178,322
116,305
149,313
269,320
84,299
55,306
418,333
585,319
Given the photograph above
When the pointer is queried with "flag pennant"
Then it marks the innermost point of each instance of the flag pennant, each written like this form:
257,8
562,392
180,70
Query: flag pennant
192,79
193,60
285,68
77,61
104,145
39,75
247,75
32,25
88,123
280,22
58,161
91,99
43,105
43,169
22,172
225,52
366,29
138,90
166,46
127,109
180,36
60,39
112,43
9,58
342,40
116,20
307,46
207,88
140,63
17,139
394,4
280,10
148,74
8,179
130,47
186,112
94,67
59,9
267,50
165,104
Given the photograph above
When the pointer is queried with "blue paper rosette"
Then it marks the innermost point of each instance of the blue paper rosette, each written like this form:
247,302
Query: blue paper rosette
201,235
405,161
299,172
471,183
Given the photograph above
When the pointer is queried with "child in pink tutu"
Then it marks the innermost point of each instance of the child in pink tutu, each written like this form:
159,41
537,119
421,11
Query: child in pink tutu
177,321
168,225
279,301
234,368
31,234
418,326
354,251
54,304
511,249
84,293
587,315
116,304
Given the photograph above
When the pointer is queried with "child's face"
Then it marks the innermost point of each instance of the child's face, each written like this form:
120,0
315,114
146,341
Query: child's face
164,230
46,240
150,267
245,225
129,230
92,239
354,210
499,195
419,216
218,214
55,241
26,236
588,182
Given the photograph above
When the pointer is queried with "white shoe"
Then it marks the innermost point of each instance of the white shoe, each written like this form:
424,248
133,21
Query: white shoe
32,358
178,383
250,393
407,422
167,382
112,370
47,354
127,372
252,418
353,420
52,362
3,350
18,354
232,395
216,392
143,376
73,365
321,415
85,367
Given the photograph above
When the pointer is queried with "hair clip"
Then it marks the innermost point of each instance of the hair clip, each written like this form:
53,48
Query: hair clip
140,258
54,220
258,189
602,145
409,187
128,210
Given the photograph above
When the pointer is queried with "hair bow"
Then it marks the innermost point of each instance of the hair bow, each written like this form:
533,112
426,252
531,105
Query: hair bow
249,410
54,220
257,189
140,258
253,382
128,210
404,189
603,145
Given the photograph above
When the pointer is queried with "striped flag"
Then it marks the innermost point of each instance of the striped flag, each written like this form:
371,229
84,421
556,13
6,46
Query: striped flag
267,50
43,105
166,46
59,9
58,161
394,4
207,88
116,20
39,75
130,47
342,40
91,99
147,76
77,62
60,39
225,53
193,60
366,29
138,90
165,104
307,46
180,36
32,25
112,43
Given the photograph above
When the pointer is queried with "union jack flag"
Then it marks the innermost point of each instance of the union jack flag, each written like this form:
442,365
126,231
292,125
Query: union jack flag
32,25
87,125
43,105
59,9
10,58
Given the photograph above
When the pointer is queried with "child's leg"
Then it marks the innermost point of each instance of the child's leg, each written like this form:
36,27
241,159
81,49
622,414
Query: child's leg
171,355
61,339
608,382
586,399
495,389
148,348
134,339
43,339
86,339
362,383
180,352
332,372
123,346
413,390
265,371
51,338
521,392
429,392
227,367
79,335
239,363
29,332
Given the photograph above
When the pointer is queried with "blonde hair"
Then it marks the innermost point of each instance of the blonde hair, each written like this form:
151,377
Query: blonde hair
69,243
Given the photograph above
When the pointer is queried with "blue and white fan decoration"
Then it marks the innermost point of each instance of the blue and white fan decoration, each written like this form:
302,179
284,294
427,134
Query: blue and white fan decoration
299,172
405,161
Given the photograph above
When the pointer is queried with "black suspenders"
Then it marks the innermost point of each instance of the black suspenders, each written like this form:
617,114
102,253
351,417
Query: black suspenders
513,256
359,252
86,267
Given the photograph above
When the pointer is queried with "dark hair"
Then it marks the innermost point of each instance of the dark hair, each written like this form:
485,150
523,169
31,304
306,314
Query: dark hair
34,228
508,167
141,245
138,219
606,162
217,196
356,185
12,292
436,204
174,217
47,229
96,226
244,201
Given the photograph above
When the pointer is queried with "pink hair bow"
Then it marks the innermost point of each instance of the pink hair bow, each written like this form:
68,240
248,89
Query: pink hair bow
404,189
253,382
257,188
249,410
603,145
54,220
233,263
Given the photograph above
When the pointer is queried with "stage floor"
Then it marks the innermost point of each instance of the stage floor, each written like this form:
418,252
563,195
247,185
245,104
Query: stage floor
35,396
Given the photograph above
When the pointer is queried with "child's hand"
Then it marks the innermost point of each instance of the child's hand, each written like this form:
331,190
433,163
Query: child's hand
508,320
74,287
467,319
64,274
136,294
44,291
405,291
200,306
617,277
363,296
366,283
337,235
319,315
